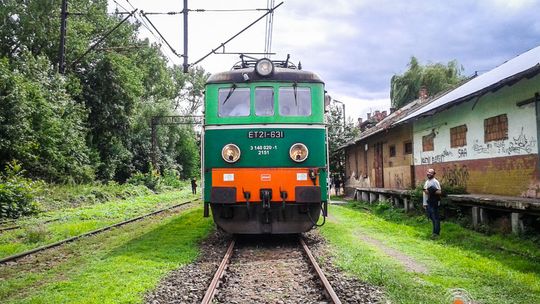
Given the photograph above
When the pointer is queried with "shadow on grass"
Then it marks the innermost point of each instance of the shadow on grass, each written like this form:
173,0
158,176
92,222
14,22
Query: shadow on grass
518,254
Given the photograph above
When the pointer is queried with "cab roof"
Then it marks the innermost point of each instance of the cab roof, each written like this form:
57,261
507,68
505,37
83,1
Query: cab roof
279,75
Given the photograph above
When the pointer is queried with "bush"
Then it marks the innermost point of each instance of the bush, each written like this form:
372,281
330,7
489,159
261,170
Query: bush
152,180
17,193
171,178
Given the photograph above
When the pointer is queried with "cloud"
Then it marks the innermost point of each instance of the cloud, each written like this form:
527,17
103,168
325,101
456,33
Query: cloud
356,46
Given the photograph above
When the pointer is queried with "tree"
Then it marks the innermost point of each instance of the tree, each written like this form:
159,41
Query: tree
434,77
338,135
40,124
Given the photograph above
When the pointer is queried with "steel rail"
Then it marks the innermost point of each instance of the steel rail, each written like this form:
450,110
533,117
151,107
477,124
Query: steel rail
71,239
211,291
2,229
329,290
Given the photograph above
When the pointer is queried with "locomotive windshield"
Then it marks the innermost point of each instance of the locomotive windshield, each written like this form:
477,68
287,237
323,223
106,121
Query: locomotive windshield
233,102
264,101
294,101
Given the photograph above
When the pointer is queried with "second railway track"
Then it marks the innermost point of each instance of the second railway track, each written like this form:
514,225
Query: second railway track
275,271
74,238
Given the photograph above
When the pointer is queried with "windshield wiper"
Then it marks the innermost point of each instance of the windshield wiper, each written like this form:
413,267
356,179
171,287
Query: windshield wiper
295,89
231,90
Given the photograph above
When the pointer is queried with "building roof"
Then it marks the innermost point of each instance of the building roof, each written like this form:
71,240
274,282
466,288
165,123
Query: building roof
508,73
389,121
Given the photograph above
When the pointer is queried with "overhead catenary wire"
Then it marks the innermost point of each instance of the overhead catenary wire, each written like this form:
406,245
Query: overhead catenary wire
74,63
160,35
203,10
269,27
222,45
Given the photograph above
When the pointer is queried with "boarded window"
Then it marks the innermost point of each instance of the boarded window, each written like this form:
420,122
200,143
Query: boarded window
392,151
458,136
407,147
427,143
496,128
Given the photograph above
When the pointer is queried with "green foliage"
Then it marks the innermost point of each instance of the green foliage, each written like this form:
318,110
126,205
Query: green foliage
17,193
41,125
171,178
338,135
151,180
106,264
95,120
434,77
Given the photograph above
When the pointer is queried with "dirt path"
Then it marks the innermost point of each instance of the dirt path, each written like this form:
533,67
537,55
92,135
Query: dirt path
408,262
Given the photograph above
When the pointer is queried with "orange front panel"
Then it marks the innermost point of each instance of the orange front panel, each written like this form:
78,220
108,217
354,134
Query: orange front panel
254,179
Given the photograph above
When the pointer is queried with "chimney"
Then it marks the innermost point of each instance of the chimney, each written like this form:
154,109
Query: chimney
359,121
384,113
368,116
377,113
392,110
423,94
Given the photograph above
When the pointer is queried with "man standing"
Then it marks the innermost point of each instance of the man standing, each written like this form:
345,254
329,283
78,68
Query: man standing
194,185
431,200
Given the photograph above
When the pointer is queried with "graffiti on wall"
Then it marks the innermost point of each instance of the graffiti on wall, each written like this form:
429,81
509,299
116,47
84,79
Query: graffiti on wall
455,176
435,159
517,145
521,144
399,181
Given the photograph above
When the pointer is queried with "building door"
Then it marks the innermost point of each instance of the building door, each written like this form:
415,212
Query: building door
379,174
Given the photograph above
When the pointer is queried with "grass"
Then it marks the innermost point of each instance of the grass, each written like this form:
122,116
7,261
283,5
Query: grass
74,221
492,269
114,267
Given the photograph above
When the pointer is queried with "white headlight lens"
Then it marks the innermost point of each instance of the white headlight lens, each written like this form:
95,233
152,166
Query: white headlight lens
264,67
230,153
298,152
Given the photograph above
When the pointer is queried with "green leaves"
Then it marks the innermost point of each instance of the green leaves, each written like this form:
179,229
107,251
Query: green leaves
95,120
434,77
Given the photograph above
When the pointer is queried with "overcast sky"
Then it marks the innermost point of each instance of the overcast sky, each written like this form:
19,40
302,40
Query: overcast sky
355,46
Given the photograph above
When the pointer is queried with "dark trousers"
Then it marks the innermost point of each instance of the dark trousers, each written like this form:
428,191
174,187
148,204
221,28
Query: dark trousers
194,190
433,215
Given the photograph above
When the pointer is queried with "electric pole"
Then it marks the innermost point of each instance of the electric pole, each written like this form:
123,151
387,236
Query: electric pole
186,65
62,50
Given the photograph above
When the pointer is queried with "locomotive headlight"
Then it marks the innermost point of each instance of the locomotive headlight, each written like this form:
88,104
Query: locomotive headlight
298,152
264,67
230,153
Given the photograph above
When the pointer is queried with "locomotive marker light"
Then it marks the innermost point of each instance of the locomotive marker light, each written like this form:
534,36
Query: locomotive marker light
230,153
298,152
264,67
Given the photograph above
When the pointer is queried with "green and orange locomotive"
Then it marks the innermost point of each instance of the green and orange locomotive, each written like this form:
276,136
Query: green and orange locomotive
264,155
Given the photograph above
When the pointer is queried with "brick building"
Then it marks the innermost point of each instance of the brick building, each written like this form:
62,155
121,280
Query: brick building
481,136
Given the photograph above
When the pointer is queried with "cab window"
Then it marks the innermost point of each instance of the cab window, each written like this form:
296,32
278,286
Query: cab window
264,101
294,101
233,102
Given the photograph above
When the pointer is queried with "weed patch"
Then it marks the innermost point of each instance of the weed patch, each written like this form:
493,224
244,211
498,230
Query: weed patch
459,259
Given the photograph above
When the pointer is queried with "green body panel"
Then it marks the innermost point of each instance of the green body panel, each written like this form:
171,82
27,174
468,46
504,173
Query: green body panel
211,105
265,152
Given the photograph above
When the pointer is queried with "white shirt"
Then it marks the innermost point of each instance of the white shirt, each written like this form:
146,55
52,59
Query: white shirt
427,184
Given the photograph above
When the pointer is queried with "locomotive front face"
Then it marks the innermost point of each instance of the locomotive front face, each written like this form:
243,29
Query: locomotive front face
265,154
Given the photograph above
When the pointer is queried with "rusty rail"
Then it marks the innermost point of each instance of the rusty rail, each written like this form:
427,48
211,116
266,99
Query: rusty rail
329,290
211,291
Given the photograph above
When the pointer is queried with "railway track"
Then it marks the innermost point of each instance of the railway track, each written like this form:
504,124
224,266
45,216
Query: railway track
94,232
326,292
